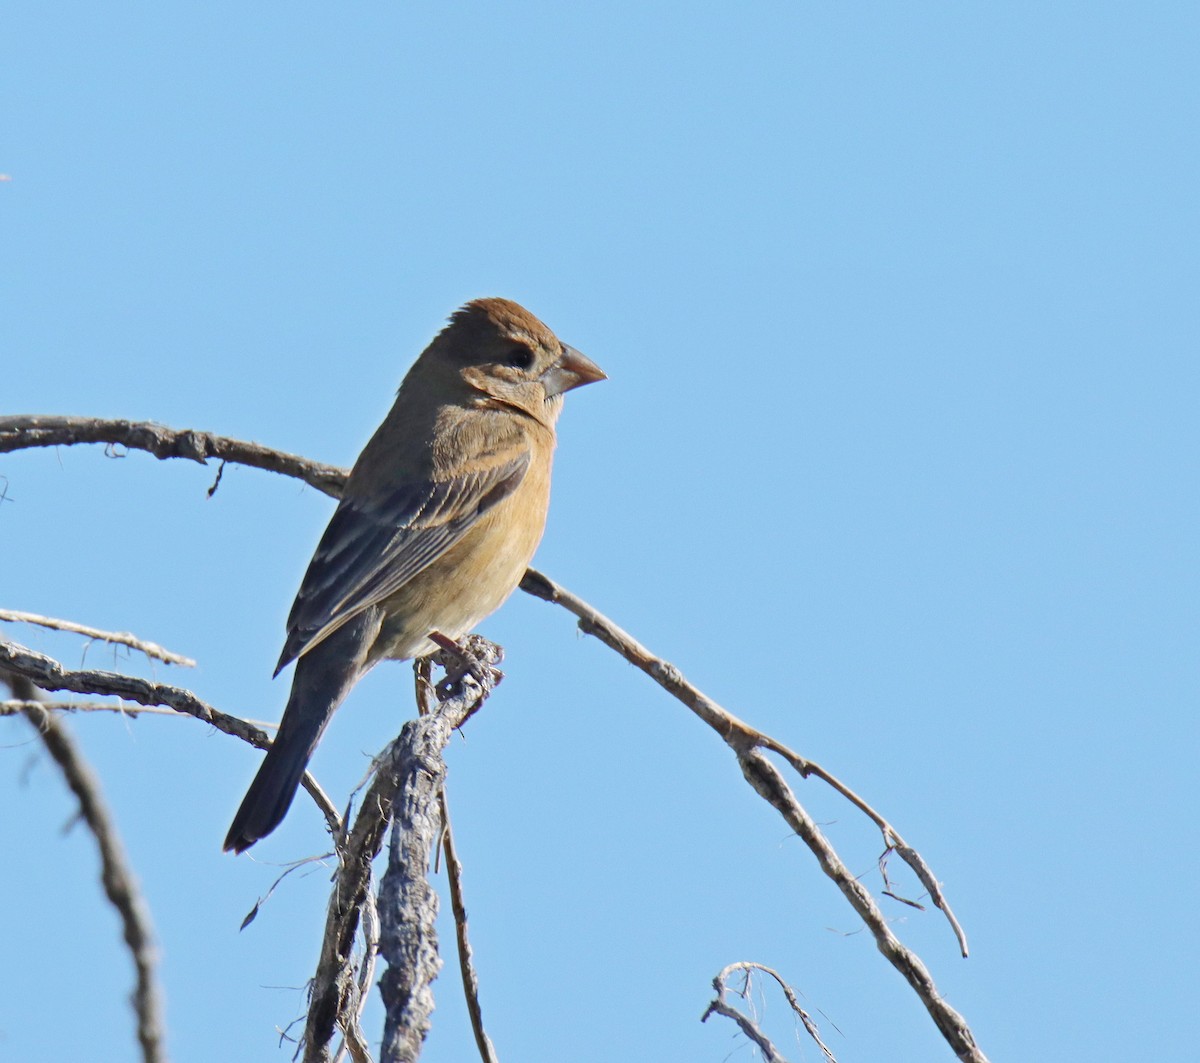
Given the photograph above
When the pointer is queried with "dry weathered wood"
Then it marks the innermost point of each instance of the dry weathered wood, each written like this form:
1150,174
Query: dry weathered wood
116,876
48,674
24,430
404,792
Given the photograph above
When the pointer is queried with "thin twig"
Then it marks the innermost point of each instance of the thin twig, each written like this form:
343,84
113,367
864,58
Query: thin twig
120,638
354,1038
294,866
769,1052
116,876
466,965
12,707
747,743
772,787
720,1006
19,432
48,674
408,775
22,431
893,842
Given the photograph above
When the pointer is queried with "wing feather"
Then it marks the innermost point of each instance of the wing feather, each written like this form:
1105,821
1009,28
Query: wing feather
373,546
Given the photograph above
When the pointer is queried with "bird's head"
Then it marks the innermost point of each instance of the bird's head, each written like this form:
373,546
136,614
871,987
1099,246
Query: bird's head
505,355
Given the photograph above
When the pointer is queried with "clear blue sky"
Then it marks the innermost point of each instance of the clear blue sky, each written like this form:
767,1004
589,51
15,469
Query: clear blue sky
897,460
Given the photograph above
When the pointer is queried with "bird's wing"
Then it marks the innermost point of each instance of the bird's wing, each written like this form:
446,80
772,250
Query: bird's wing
373,546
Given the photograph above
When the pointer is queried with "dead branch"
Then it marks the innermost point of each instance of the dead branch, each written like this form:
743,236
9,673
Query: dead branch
47,673
354,1041
115,874
736,733
12,707
745,740
22,431
466,965
770,784
422,675
720,1006
408,776
747,743
120,638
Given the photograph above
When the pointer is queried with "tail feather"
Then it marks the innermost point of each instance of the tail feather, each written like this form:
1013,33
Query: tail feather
271,793
323,678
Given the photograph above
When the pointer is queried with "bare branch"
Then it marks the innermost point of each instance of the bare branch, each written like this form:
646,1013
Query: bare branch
354,1040
23,431
408,775
120,638
408,905
721,1006
48,674
769,1052
466,966
746,742
736,732
13,707
115,874
770,784
893,842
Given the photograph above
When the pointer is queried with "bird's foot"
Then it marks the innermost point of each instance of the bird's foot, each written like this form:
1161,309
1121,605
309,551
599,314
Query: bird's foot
474,656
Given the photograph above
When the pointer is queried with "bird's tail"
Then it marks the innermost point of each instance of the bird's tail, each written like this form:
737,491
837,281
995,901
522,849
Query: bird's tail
323,678
270,795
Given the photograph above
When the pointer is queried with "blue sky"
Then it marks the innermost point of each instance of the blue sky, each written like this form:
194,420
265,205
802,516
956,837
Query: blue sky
897,460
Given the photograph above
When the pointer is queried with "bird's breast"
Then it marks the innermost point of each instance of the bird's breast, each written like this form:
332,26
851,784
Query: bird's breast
473,578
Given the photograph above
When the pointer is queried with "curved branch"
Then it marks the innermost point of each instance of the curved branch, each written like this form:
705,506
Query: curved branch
21,431
408,777
720,1006
116,876
466,964
745,740
119,638
771,786
13,707
747,743
48,674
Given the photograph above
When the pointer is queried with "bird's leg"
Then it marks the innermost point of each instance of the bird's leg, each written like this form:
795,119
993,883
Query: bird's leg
473,657
423,678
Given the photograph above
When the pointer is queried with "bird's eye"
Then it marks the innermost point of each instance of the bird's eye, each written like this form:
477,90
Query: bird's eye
519,357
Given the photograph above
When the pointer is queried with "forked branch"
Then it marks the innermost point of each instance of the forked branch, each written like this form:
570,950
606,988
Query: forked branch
48,674
720,1006
746,742
404,793
116,876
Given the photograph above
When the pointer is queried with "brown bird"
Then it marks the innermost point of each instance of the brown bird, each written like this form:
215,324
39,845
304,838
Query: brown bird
438,522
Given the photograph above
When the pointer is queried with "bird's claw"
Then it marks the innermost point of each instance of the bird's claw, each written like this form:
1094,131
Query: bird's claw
473,657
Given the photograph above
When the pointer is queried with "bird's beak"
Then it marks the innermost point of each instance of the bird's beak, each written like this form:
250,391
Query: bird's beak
572,370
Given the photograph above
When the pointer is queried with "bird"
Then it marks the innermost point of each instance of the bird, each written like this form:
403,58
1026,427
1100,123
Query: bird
439,519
